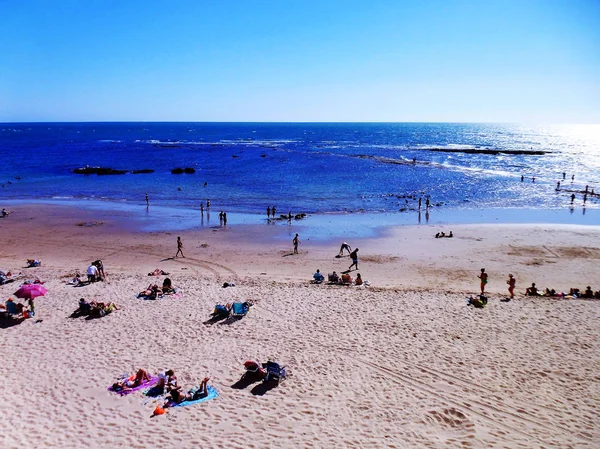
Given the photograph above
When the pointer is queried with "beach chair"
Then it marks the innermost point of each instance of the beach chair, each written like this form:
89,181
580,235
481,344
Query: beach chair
275,372
239,309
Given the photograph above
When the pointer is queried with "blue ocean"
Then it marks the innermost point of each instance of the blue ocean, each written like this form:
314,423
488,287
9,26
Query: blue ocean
313,168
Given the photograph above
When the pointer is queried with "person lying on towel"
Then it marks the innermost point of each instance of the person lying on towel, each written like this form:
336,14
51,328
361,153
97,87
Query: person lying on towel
133,381
177,396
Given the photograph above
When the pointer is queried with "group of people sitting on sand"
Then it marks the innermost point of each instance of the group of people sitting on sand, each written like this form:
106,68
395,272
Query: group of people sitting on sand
153,291
94,309
574,293
334,278
12,309
442,234
166,383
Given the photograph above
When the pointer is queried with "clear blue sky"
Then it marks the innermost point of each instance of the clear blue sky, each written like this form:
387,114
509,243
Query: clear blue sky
286,60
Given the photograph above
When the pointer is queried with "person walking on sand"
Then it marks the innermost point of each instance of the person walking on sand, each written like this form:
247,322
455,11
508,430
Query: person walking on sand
484,280
179,247
511,285
295,242
354,257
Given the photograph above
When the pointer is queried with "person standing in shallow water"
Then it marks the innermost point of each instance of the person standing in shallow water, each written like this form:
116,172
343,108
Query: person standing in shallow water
147,200
179,247
484,280
268,213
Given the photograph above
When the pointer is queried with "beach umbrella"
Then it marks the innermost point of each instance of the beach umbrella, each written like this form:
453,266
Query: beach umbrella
30,291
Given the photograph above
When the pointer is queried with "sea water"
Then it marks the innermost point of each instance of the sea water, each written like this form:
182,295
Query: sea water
378,170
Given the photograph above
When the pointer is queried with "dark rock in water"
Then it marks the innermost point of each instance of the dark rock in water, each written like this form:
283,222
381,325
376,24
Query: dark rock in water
487,151
145,170
235,156
87,170
299,216
179,170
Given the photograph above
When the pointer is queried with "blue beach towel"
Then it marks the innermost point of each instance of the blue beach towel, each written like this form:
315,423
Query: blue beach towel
212,393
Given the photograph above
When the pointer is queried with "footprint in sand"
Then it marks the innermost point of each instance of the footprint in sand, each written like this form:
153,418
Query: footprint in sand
456,426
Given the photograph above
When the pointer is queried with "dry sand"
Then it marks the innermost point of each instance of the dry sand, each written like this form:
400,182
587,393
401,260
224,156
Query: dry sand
402,363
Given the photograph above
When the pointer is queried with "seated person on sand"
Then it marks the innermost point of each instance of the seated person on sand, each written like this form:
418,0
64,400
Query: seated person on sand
84,307
76,280
33,263
346,279
450,235
532,291
5,212
358,280
318,277
574,292
549,292
167,287
14,308
588,293
133,381
177,396
333,278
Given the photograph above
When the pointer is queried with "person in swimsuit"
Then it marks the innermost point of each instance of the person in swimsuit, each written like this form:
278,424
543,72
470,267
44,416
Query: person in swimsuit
354,257
484,280
177,396
511,285
179,247
295,241
132,382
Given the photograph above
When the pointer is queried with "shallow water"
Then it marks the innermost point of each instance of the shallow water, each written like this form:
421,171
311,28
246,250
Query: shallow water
311,168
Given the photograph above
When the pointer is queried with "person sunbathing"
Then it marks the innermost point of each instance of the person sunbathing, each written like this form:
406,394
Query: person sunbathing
158,272
138,379
100,309
549,292
177,396
33,263
152,292
531,291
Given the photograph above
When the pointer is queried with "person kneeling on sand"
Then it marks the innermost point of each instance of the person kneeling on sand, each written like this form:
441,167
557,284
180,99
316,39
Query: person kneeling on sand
177,396
132,382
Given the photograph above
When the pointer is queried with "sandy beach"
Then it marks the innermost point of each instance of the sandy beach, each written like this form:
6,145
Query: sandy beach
401,363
